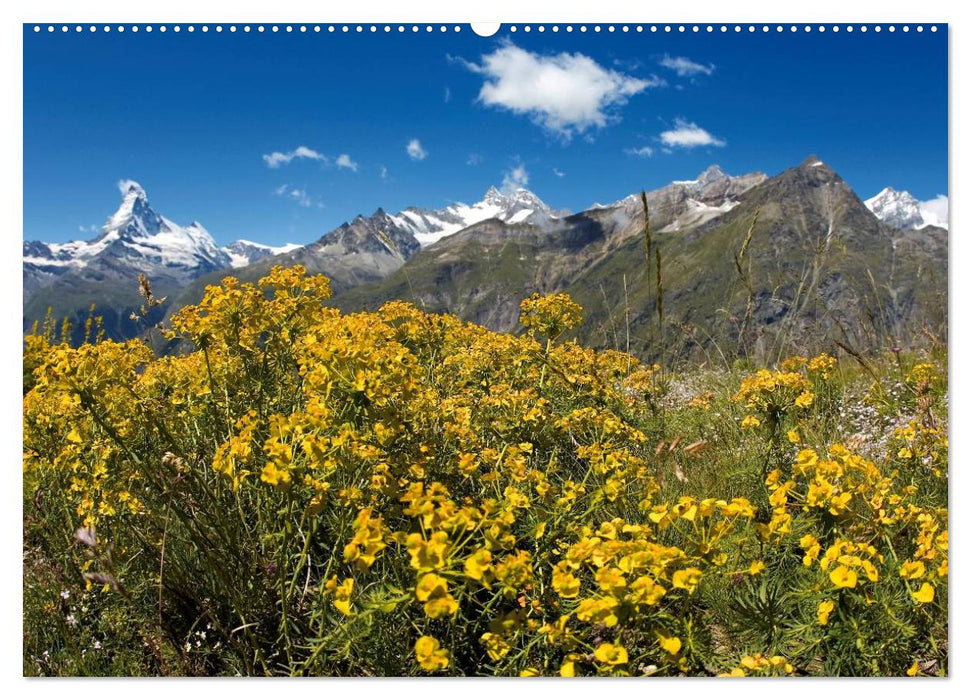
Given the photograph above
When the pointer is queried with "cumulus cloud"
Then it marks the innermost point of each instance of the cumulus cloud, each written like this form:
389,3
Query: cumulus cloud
278,158
558,172
937,208
514,178
384,172
566,94
473,159
344,161
415,150
641,152
687,134
685,67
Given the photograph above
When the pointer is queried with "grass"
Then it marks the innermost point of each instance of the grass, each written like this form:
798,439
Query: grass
400,493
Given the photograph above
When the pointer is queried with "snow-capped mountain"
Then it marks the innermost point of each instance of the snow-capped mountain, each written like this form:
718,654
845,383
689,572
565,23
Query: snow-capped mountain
135,236
242,253
687,203
902,210
518,207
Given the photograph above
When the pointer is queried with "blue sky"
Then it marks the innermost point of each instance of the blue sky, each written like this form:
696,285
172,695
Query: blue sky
281,137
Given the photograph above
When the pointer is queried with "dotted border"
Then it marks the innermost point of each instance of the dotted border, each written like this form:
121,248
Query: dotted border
513,28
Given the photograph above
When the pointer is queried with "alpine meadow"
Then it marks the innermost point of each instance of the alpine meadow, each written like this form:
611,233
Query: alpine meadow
699,430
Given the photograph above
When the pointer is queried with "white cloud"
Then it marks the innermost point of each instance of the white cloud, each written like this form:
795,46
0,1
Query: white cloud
558,172
415,150
565,93
278,158
687,134
937,208
384,172
642,152
298,195
685,67
514,178
344,161
474,159
448,94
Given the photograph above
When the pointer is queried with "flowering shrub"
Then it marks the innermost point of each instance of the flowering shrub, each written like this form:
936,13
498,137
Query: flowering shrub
398,493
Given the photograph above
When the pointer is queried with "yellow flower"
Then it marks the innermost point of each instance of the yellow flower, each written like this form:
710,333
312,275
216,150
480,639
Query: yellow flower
671,645
805,399
611,654
913,670
912,569
824,610
567,670
686,578
496,645
432,590
812,547
441,606
565,583
925,594
843,577
427,555
529,672
479,566
736,672
750,422
756,568
430,655
342,593
793,436
806,460
550,315
468,463
644,590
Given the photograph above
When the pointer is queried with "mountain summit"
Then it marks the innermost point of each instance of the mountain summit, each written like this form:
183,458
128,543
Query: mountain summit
515,207
134,237
902,210
69,277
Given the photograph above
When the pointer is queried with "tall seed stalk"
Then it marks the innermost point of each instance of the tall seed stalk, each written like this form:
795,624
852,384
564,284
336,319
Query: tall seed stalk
745,274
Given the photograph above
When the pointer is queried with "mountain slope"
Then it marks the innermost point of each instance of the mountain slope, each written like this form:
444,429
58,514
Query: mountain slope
368,249
823,268
483,272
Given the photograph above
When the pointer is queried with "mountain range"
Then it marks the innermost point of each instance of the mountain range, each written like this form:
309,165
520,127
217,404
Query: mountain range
819,263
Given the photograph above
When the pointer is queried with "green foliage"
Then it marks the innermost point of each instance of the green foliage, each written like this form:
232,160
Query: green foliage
305,492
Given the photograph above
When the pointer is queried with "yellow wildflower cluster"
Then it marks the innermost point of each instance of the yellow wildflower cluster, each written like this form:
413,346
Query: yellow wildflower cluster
550,315
760,665
479,502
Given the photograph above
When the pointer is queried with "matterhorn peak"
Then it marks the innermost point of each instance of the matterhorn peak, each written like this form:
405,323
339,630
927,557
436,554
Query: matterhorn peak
134,216
131,188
